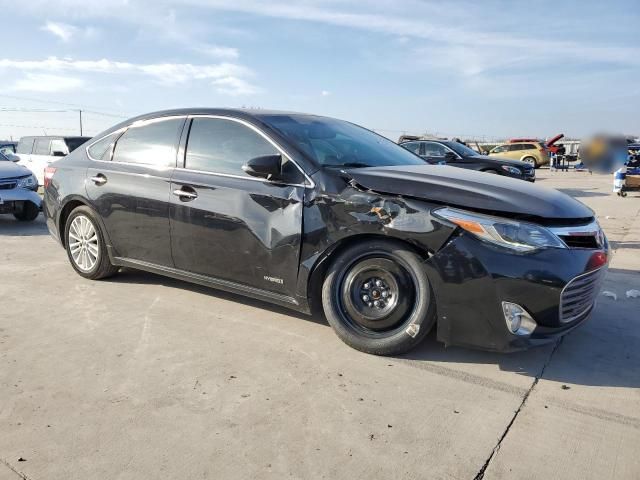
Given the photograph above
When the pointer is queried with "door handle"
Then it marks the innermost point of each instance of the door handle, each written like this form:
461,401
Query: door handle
99,179
185,194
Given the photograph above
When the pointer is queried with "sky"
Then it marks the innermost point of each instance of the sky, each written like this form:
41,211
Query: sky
489,69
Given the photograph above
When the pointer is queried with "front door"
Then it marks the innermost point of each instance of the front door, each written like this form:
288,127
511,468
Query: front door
231,226
130,188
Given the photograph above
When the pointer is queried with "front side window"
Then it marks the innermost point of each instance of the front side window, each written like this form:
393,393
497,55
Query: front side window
151,143
432,149
42,146
223,146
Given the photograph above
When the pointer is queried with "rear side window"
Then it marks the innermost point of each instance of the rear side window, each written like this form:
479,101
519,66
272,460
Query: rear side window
528,146
223,146
153,143
101,150
25,146
41,146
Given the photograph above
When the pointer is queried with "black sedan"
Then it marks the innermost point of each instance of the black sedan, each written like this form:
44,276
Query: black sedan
305,211
445,152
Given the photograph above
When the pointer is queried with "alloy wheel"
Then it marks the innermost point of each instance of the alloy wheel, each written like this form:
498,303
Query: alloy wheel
83,243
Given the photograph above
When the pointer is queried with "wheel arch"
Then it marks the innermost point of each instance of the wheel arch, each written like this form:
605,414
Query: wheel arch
69,206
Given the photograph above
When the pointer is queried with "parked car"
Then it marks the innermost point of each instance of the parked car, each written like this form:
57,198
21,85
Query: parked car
306,211
18,187
533,153
7,147
36,153
452,153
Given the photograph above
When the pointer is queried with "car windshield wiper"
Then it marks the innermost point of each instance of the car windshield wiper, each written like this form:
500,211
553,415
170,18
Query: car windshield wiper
348,165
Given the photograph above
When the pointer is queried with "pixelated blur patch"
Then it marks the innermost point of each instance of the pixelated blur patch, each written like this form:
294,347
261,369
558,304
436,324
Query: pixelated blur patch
604,153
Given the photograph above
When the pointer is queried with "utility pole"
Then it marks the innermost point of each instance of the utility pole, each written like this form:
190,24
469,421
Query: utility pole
80,112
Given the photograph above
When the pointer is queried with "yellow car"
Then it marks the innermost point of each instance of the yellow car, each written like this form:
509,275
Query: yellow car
531,152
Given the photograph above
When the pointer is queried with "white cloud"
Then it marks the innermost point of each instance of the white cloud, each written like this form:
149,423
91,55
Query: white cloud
217,51
61,30
43,82
228,77
235,86
429,21
325,93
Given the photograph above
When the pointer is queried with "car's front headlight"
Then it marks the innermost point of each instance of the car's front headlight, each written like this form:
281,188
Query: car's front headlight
30,182
511,170
512,234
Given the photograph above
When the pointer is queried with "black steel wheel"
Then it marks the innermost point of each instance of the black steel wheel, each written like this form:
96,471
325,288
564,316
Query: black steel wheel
377,297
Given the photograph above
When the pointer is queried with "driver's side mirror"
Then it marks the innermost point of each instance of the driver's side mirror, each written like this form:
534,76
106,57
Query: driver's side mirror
450,156
58,153
265,166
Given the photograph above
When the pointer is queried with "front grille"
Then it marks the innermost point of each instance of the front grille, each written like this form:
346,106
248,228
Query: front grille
8,184
580,241
578,296
588,236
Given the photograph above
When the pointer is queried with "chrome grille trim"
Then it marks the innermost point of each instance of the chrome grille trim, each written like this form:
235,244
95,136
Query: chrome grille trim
588,236
579,295
8,183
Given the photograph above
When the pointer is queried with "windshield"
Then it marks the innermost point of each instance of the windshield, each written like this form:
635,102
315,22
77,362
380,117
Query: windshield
461,149
3,157
335,143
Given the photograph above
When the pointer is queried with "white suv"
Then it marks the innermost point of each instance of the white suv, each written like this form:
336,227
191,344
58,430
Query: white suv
36,153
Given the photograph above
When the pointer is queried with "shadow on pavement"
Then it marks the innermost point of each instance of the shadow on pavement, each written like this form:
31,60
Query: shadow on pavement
9,226
583,192
605,351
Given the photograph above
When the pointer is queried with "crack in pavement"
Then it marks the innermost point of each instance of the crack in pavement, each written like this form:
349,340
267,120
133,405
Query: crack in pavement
480,474
14,470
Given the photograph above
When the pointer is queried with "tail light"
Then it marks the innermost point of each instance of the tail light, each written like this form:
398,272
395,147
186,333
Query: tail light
48,175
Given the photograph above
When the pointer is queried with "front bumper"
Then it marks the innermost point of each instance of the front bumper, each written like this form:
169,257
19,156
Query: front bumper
471,279
11,201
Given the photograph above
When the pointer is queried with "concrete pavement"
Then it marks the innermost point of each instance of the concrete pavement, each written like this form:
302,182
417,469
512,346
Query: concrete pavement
146,377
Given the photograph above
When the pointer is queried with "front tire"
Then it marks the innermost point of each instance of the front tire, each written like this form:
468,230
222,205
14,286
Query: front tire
377,298
29,212
85,245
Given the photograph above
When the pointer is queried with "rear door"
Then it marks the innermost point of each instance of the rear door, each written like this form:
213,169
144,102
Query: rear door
231,226
39,158
128,180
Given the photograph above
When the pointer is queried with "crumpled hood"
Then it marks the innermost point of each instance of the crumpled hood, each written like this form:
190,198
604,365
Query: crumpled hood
12,170
472,190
